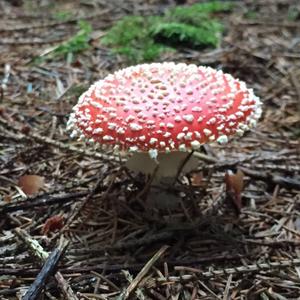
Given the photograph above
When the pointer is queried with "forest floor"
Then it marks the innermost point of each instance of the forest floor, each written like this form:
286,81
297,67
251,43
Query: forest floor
103,241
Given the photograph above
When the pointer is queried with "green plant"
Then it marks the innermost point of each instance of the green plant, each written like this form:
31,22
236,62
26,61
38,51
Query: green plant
251,15
293,13
145,38
211,7
188,35
63,15
197,13
77,43
130,37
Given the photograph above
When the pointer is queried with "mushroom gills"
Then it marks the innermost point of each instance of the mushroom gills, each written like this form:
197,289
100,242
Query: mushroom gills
169,164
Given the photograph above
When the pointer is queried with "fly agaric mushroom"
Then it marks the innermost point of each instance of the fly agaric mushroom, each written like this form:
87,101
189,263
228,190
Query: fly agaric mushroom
160,111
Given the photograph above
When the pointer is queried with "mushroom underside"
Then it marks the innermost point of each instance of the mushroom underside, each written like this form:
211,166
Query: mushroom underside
169,164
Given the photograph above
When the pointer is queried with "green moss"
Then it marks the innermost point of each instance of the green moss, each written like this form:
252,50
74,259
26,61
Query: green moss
197,14
130,37
145,38
188,35
209,7
192,26
251,15
63,15
120,34
293,13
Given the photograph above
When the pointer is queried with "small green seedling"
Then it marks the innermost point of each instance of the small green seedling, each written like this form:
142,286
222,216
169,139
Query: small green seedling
63,15
79,42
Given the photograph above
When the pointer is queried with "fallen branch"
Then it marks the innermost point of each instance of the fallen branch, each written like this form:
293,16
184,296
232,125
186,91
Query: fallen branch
42,200
51,262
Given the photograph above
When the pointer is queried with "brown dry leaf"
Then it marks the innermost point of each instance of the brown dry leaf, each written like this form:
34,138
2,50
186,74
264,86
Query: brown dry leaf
7,198
197,179
31,184
1,110
25,129
54,223
234,187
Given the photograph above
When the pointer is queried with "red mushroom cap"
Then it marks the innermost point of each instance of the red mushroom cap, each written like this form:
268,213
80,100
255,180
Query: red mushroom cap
165,107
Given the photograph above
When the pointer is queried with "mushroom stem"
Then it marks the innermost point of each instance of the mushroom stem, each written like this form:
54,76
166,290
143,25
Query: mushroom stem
170,164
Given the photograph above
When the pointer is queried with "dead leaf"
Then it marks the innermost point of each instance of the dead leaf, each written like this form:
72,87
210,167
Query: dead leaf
234,187
31,184
197,179
2,110
25,129
7,198
52,224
